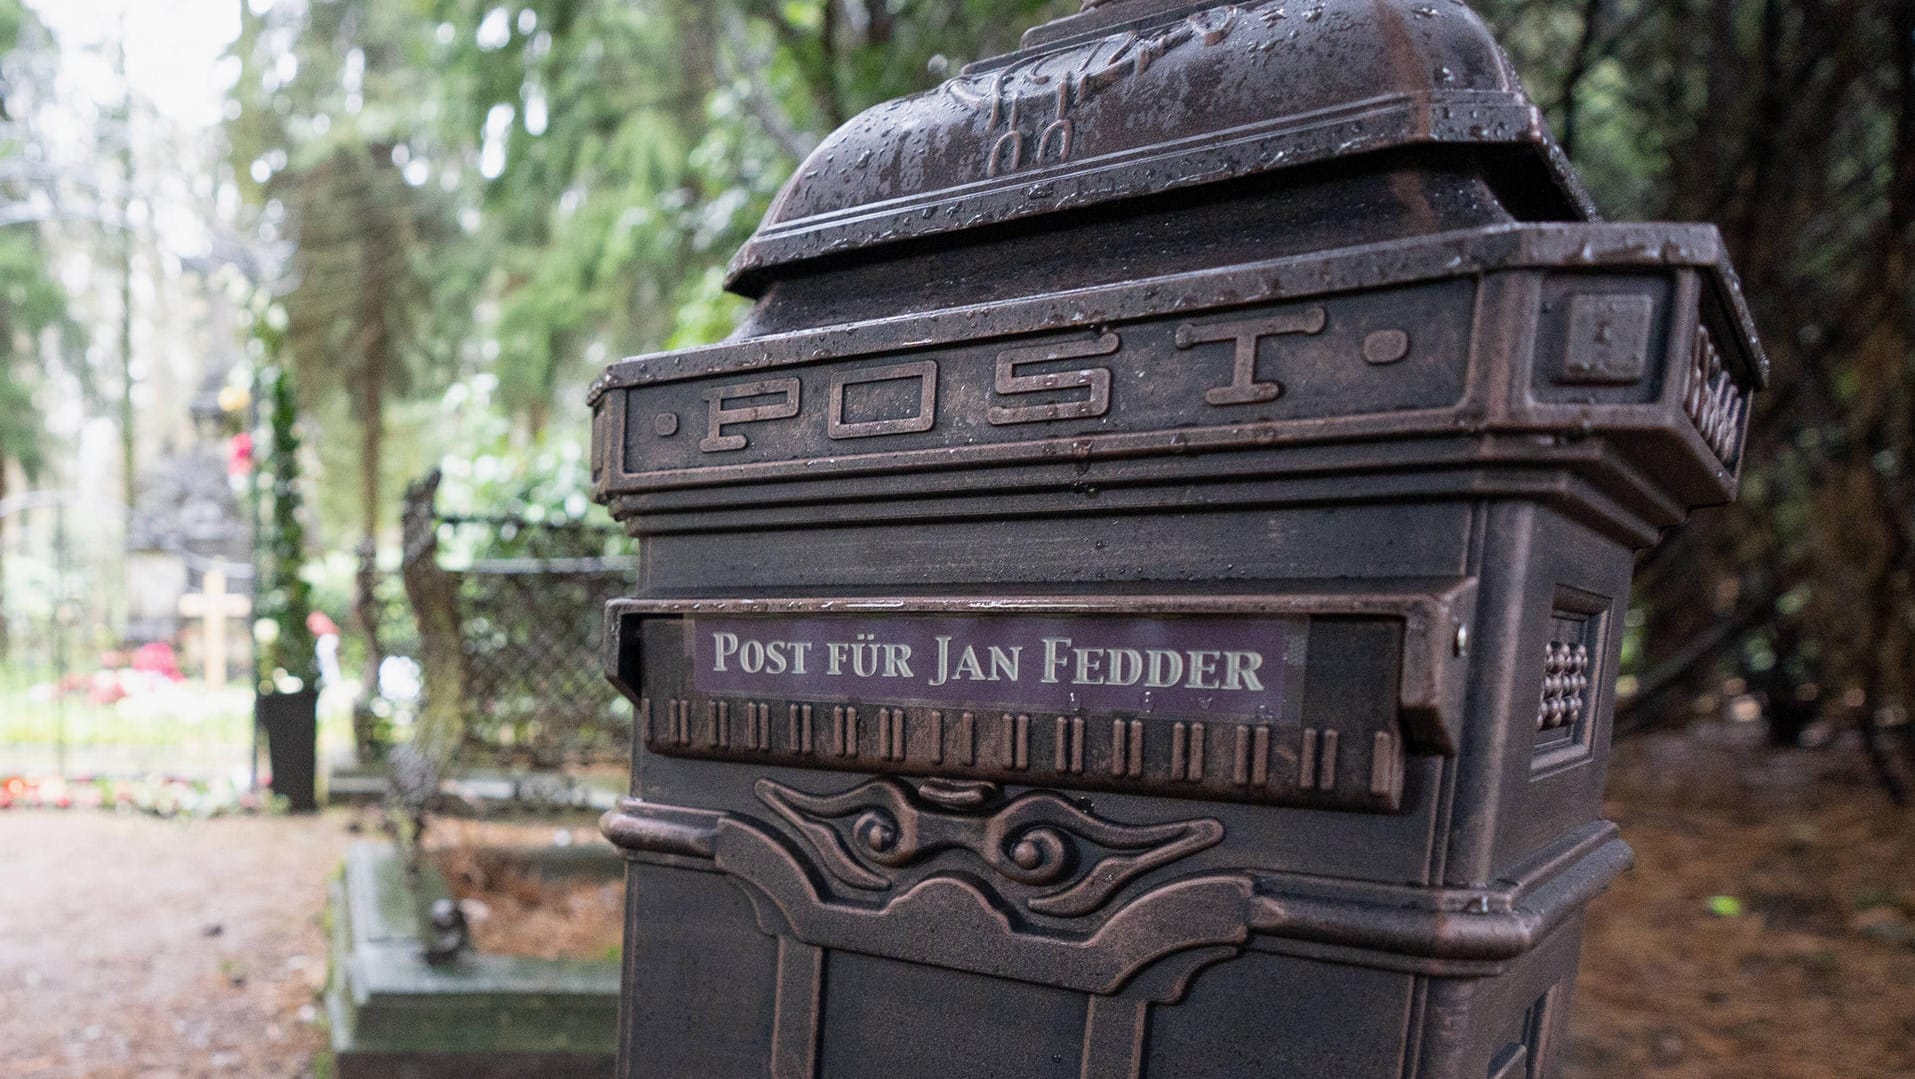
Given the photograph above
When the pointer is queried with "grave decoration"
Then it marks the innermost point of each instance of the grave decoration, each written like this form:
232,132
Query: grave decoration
286,704
482,619
410,994
1141,595
187,517
215,608
408,997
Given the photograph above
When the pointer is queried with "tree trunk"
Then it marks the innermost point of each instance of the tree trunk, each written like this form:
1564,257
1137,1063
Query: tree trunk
374,340
433,594
129,443
3,561
365,610
372,432
365,603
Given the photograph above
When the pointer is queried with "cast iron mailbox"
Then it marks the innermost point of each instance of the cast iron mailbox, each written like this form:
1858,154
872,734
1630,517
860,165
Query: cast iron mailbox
1142,595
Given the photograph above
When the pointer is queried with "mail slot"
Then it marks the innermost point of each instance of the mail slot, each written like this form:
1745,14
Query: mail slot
1142,594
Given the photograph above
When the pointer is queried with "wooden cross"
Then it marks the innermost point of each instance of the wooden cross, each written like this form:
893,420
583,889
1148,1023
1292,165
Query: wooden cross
216,605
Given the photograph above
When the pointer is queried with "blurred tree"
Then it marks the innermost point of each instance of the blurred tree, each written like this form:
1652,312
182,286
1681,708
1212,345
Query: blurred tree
360,309
601,160
32,303
519,191
288,663
326,95
1791,124
625,150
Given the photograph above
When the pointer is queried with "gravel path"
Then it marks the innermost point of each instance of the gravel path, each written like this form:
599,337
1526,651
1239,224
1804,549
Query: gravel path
137,948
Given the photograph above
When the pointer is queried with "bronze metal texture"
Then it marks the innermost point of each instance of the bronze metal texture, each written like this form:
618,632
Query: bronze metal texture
1146,98
1142,594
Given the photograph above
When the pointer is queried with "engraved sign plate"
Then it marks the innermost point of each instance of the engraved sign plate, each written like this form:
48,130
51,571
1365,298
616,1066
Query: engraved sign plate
1198,666
1258,706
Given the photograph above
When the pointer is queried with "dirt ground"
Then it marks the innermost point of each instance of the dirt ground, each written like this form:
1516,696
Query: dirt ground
512,909
1768,930
1812,974
138,948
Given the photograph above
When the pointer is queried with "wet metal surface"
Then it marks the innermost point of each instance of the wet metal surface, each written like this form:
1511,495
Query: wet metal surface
1142,594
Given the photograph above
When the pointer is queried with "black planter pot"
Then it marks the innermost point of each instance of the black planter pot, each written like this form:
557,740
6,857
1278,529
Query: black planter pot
291,723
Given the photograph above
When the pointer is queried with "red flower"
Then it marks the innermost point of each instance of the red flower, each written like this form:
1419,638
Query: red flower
239,454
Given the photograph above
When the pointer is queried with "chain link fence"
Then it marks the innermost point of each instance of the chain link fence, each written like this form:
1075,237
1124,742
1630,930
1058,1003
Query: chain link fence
527,598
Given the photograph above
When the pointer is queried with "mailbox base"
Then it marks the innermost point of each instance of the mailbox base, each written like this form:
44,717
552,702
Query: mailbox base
1222,974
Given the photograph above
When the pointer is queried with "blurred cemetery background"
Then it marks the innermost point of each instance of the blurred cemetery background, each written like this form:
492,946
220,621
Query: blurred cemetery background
299,301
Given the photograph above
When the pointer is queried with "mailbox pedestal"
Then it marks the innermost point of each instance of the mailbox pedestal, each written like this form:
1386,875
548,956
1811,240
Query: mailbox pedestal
1142,595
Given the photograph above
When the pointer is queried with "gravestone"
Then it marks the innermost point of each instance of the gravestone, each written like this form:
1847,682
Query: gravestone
1142,594
187,519
394,1013
214,608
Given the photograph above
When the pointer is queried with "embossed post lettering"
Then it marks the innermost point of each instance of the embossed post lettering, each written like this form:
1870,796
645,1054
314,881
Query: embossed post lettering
715,440
925,371
1096,379
1244,389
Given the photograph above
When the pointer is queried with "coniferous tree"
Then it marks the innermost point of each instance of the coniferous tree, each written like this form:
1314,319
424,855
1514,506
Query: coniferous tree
1791,125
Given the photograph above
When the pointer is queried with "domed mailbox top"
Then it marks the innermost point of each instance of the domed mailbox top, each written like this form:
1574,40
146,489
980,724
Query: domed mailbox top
1146,97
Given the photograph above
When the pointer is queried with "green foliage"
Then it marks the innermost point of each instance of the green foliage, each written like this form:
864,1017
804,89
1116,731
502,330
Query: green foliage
500,471
658,179
1791,125
601,160
489,201
13,21
288,658
32,302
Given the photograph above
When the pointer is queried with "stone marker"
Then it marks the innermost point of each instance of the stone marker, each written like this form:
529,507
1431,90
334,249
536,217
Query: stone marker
393,1014
216,607
1142,594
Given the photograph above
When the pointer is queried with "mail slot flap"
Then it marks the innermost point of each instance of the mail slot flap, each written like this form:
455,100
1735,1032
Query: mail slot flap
1297,699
